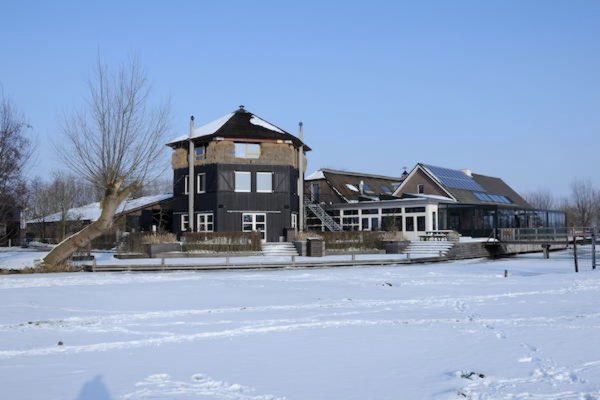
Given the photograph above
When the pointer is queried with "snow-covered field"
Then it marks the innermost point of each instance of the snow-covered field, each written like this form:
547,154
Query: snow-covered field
442,331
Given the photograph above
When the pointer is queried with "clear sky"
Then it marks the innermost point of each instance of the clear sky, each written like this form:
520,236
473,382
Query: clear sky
505,88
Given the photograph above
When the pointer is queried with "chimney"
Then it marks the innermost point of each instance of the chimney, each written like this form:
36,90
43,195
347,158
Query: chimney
467,172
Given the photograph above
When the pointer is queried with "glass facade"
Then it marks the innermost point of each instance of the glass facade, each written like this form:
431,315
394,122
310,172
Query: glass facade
480,220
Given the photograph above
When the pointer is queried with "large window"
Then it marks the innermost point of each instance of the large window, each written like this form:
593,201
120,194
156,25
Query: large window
205,222
242,181
201,183
264,182
247,150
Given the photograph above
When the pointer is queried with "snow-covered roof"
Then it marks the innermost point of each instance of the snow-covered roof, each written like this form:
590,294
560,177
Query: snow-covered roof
315,175
432,196
238,125
204,130
91,212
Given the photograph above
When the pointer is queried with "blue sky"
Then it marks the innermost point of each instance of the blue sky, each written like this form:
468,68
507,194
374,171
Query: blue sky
508,89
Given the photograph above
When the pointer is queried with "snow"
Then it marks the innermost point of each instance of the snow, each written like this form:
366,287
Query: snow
92,211
352,187
315,175
261,122
440,331
205,130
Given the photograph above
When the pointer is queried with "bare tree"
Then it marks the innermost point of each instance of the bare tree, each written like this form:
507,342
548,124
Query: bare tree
15,151
541,199
583,203
113,145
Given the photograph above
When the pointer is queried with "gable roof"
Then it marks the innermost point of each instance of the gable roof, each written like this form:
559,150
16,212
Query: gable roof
469,188
240,124
355,186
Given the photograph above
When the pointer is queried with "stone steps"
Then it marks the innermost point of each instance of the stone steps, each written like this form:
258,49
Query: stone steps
279,249
428,248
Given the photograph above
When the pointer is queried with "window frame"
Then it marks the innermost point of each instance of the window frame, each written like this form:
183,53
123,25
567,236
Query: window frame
203,157
205,223
258,190
420,188
243,150
235,183
184,222
186,185
201,188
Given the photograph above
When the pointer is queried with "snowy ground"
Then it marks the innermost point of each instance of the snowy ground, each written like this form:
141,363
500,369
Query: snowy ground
406,332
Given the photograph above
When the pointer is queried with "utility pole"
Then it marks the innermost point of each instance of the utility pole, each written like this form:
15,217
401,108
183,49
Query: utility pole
190,183
301,179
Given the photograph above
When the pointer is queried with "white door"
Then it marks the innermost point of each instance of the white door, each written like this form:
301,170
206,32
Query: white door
255,222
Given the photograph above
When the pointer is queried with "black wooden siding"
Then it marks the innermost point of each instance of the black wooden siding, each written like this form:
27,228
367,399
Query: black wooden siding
227,205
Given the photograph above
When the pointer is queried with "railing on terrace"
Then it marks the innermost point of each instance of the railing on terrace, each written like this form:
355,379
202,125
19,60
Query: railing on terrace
532,234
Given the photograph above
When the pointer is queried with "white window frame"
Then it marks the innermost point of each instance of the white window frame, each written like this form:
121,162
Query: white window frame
294,220
235,184
200,188
186,189
202,221
244,150
184,222
257,182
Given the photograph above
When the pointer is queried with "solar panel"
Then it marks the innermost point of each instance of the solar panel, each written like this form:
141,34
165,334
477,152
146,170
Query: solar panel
455,179
496,198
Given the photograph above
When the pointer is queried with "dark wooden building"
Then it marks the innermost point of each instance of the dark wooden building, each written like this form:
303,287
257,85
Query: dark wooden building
246,173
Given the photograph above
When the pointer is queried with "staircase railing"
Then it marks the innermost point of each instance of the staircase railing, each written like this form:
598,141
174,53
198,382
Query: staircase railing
319,212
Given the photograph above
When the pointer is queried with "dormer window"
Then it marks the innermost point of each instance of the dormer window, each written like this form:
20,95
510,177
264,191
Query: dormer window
247,150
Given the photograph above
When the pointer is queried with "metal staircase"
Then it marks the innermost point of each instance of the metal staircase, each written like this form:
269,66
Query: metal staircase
320,213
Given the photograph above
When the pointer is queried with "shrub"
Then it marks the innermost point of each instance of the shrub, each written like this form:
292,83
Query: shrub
134,242
351,240
221,241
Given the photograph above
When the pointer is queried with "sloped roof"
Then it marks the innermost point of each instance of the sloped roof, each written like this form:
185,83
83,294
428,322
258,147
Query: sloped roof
469,188
349,184
92,211
240,124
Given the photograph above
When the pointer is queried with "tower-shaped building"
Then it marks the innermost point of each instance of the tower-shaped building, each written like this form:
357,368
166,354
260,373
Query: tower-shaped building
245,172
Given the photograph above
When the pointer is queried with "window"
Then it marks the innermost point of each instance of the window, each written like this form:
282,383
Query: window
242,181
294,220
410,224
201,183
247,150
414,209
421,224
420,188
184,222
264,182
185,184
205,222
314,193
200,153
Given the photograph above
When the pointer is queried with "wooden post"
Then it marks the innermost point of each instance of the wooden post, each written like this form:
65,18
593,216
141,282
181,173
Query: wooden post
353,257
546,248
575,253
594,249
293,261
94,265
300,223
506,273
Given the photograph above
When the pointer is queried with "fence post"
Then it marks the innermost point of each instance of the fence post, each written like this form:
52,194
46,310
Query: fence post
293,261
594,249
227,260
575,253
353,257
94,265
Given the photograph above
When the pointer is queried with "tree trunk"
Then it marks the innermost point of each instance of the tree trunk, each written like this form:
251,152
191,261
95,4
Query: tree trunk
61,253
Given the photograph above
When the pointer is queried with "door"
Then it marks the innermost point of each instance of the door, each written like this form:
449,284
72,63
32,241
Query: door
255,222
